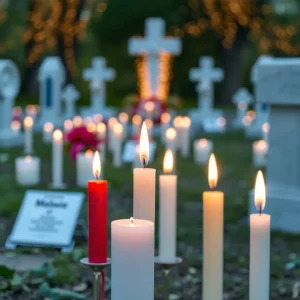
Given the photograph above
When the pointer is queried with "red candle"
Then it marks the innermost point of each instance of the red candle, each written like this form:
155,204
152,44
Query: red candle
97,215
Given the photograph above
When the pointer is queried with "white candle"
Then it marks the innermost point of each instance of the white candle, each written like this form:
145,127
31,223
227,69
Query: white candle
259,153
28,138
259,285
136,124
265,131
77,121
110,133
213,215
149,125
47,132
167,211
28,170
117,149
144,183
123,119
15,126
101,135
177,123
164,125
185,138
68,126
202,150
84,168
132,256
149,109
57,159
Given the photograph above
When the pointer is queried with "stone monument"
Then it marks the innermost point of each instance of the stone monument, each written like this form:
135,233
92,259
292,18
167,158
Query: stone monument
98,75
9,89
51,80
205,76
70,95
278,86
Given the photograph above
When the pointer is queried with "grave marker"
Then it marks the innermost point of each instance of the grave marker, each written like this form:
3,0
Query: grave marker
70,95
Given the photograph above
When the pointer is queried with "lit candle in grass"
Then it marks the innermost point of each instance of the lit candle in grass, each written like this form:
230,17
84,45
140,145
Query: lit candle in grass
202,150
47,132
84,168
28,138
165,120
259,153
117,149
136,124
57,159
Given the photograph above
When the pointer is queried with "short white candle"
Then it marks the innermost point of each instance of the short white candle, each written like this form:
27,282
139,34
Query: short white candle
185,138
202,150
259,285
111,122
165,120
144,183
28,128
47,132
117,149
101,135
68,126
149,125
259,153
84,168
28,170
15,126
167,211
77,121
149,109
123,119
57,159
136,124
132,256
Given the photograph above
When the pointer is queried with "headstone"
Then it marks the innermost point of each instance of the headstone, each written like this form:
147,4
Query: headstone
205,76
98,75
9,89
242,98
46,219
70,95
278,86
152,45
261,109
51,80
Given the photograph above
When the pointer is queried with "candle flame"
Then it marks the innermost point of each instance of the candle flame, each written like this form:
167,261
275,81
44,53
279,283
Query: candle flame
136,119
48,127
260,192
168,162
28,159
28,122
171,134
144,146
212,172
97,165
57,135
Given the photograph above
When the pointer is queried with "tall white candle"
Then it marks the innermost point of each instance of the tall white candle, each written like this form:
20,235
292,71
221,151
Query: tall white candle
144,183
28,170
165,120
123,119
84,168
117,149
185,138
57,159
111,122
177,123
202,150
15,126
136,124
47,132
259,285
213,215
28,135
149,109
259,153
167,211
265,131
101,135
132,253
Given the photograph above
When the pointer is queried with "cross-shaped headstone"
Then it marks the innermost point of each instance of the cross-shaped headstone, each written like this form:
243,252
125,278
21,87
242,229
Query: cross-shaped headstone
242,98
206,75
152,45
70,95
98,74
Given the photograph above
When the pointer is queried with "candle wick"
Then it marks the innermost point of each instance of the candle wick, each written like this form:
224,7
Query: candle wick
144,163
260,210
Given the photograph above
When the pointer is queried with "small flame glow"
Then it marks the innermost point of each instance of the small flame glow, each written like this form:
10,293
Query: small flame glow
28,122
123,117
28,159
97,165
212,172
77,121
68,125
15,125
144,146
48,127
91,127
171,134
137,120
89,153
260,192
203,143
118,129
168,161
57,135
149,106
131,222
165,118
111,122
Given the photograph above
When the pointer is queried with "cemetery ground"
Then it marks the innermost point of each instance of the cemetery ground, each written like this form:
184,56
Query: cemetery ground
63,271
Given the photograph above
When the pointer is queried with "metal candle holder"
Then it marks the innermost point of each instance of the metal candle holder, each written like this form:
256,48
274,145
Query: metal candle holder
97,269
166,267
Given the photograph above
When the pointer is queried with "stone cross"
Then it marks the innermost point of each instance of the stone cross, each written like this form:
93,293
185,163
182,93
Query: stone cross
206,75
9,89
152,45
278,86
242,98
70,95
51,80
98,74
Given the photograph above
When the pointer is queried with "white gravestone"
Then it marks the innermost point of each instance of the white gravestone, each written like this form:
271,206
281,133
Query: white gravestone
205,76
242,99
278,86
52,76
9,89
261,109
98,75
152,45
70,95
